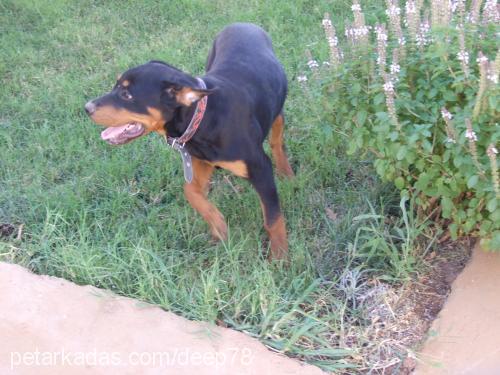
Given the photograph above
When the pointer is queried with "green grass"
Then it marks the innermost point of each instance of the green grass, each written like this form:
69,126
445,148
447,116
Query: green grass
115,217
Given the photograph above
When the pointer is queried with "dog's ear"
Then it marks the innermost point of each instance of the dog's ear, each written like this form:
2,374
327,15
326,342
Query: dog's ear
185,95
188,95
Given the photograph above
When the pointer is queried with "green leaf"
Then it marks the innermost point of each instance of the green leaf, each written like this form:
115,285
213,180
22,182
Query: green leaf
399,182
423,181
450,96
492,243
453,231
469,224
495,216
351,148
356,88
485,227
361,117
492,205
410,157
379,98
420,164
367,216
492,101
472,181
447,205
393,136
401,153
382,116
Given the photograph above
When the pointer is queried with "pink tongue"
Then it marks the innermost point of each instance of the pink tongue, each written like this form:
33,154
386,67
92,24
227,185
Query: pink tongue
118,135
113,132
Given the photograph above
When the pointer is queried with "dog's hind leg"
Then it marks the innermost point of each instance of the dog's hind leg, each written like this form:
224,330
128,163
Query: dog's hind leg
196,194
278,148
262,179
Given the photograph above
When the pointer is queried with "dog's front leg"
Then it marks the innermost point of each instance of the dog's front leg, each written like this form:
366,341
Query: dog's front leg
196,194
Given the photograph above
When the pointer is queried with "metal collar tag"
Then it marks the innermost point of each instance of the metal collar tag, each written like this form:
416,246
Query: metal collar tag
178,143
187,164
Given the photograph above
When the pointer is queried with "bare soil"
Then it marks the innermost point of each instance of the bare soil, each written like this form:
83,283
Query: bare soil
465,337
423,299
401,316
6,230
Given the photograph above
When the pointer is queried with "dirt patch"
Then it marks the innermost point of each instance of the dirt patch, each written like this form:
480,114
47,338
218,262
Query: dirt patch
6,230
423,299
465,337
401,316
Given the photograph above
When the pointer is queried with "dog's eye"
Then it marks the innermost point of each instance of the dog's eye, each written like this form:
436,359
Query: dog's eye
124,94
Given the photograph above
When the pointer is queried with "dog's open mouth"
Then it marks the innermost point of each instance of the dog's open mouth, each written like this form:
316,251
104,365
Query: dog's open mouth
119,135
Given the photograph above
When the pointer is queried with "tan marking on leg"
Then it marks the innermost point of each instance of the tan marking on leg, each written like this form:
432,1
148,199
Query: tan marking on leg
277,148
279,242
238,167
196,194
277,236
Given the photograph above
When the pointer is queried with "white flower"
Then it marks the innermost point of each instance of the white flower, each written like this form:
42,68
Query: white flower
402,41
425,27
469,18
493,77
481,59
393,11
302,78
357,32
446,114
326,63
463,56
411,7
490,11
422,38
450,140
326,22
312,64
356,8
381,35
333,42
395,69
494,150
388,87
471,134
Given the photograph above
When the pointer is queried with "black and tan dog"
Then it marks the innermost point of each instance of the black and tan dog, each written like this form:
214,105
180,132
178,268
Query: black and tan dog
244,90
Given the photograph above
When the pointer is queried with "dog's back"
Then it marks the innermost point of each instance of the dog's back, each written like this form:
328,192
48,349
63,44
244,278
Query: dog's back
243,54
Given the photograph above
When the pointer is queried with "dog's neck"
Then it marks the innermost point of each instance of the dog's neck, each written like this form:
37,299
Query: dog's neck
179,123
184,115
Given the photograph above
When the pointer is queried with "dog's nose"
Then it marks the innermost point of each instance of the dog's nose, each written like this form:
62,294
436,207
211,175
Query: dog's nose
90,108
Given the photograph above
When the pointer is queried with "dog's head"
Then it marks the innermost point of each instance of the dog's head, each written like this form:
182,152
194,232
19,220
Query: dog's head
143,100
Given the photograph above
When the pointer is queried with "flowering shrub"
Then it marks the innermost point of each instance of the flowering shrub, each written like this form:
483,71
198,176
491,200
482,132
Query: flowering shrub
423,99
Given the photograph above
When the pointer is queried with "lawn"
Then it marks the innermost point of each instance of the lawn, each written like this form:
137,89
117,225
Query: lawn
116,218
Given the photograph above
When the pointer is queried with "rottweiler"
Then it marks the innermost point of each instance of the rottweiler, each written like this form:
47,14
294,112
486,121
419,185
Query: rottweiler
218,120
